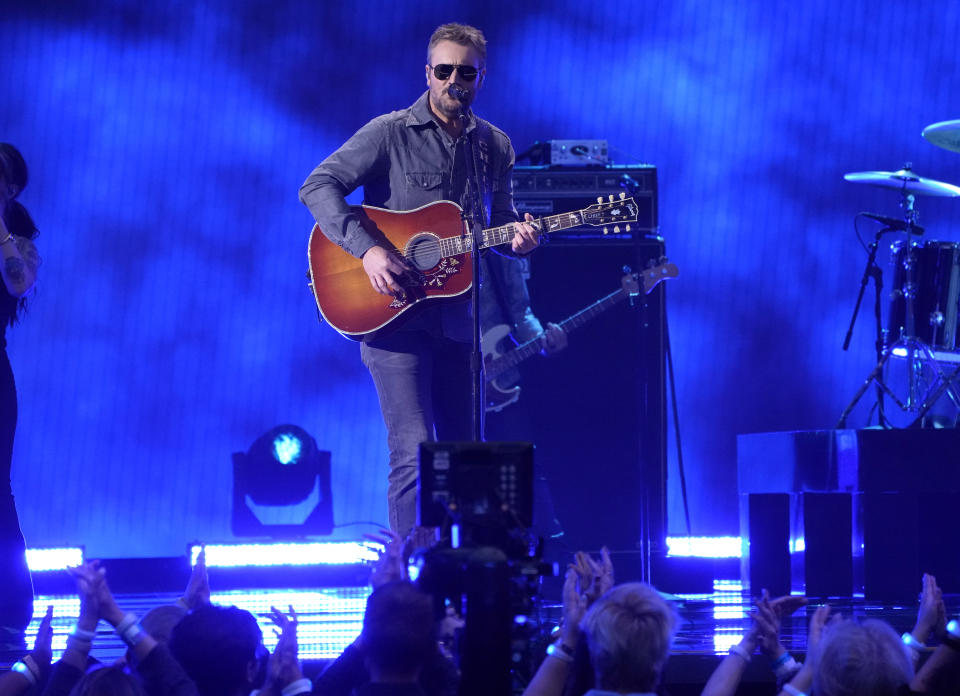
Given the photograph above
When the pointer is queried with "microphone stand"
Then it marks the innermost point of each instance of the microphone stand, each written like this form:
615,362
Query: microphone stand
475,222
872,270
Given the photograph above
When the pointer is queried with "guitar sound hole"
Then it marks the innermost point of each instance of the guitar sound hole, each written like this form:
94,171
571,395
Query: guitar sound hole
423,252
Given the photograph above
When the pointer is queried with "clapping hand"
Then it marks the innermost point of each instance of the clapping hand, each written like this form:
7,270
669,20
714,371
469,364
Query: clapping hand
284,665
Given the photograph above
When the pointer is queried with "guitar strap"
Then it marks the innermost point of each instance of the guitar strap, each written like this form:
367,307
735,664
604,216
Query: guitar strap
484,142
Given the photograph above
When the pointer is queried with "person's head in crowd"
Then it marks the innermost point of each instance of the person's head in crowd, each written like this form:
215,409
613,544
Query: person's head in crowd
399,632
221,649
108,680
861,658
628,632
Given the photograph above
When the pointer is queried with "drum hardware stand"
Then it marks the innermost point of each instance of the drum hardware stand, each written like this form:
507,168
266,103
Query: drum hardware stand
913,346
914,349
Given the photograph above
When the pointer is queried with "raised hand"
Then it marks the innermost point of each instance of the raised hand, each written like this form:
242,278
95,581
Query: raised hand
932,615
593,577
284,665
42,651
390,567
197,593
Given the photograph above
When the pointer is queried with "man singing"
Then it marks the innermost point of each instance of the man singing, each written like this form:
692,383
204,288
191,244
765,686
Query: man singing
404,160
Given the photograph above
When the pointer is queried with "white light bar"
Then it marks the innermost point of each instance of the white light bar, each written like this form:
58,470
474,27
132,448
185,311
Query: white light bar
40,560
288,554
704,547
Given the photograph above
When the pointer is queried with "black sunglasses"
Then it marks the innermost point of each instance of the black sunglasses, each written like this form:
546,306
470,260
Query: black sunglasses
445,70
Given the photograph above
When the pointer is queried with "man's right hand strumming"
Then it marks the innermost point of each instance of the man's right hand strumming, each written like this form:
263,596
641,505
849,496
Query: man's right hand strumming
383,267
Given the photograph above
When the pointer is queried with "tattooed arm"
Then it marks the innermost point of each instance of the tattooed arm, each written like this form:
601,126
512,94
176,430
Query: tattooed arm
18,262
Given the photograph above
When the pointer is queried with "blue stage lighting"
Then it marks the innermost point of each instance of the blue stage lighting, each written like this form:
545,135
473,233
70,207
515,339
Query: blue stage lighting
287,554
40,560
704,547
281,486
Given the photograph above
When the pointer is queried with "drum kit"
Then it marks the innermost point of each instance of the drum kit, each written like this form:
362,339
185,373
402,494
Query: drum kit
924,310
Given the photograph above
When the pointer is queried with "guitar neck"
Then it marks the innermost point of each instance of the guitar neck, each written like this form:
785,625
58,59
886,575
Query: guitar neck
495,236
532,347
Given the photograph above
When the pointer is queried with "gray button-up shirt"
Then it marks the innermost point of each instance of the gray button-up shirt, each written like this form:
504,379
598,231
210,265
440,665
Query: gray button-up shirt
405,160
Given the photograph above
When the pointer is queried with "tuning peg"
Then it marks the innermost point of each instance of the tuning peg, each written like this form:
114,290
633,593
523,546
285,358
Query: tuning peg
616,229
628,227
606,230
599,199
623,194
611,197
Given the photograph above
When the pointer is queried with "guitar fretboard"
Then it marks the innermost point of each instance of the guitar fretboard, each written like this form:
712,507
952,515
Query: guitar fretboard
510,360
495,236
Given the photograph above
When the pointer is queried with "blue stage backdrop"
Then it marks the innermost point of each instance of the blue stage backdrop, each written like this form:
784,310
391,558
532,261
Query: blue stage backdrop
172,323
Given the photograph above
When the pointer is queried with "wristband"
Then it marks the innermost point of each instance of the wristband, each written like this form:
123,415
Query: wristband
300,686
22,668
911,642
82,634
741,651
130,631
792,690
780,660
953,628
128,620
786,669
560,651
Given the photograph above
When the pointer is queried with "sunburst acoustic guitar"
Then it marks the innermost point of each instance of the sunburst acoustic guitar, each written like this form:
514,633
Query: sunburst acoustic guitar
435,242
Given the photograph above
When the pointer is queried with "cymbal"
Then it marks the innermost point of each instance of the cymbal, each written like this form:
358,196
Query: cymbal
904,180
945,134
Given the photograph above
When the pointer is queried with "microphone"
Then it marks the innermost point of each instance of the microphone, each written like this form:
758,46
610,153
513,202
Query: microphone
895,223
459,93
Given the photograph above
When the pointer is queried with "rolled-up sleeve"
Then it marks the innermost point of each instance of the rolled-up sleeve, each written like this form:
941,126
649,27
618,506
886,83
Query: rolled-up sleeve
362,158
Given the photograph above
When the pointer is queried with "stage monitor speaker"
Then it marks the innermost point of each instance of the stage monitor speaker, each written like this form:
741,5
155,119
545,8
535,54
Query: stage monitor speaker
596,411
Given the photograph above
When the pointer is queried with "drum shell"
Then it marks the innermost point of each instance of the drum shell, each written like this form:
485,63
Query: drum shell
927,273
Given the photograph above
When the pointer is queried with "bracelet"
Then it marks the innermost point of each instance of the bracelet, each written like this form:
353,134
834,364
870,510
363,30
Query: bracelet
300,686
792,690
130,631
780,660
741,651
911,642
22,668
128,620
560,651
787,669
82,634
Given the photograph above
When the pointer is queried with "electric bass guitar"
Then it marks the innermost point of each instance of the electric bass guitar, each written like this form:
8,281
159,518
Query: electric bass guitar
500,392
435,242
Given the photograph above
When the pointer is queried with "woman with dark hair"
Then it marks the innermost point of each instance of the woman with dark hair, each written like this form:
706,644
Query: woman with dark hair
18,270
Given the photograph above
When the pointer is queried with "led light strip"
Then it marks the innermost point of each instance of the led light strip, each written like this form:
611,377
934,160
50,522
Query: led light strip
287,554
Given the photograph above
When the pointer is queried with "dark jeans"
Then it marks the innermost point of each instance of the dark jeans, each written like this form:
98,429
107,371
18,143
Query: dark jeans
16,589
423,382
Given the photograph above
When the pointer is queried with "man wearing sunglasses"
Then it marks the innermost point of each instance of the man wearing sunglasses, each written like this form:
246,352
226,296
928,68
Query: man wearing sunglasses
405,160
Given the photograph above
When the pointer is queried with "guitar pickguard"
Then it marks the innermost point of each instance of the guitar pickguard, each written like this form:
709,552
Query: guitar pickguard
436,279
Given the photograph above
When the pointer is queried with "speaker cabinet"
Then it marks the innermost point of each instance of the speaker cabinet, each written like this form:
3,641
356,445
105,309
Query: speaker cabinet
596,410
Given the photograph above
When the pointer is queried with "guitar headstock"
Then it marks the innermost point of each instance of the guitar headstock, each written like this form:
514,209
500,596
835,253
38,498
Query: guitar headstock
654,274
613,211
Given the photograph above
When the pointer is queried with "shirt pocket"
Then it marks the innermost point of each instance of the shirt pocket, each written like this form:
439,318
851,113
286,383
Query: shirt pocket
426,181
